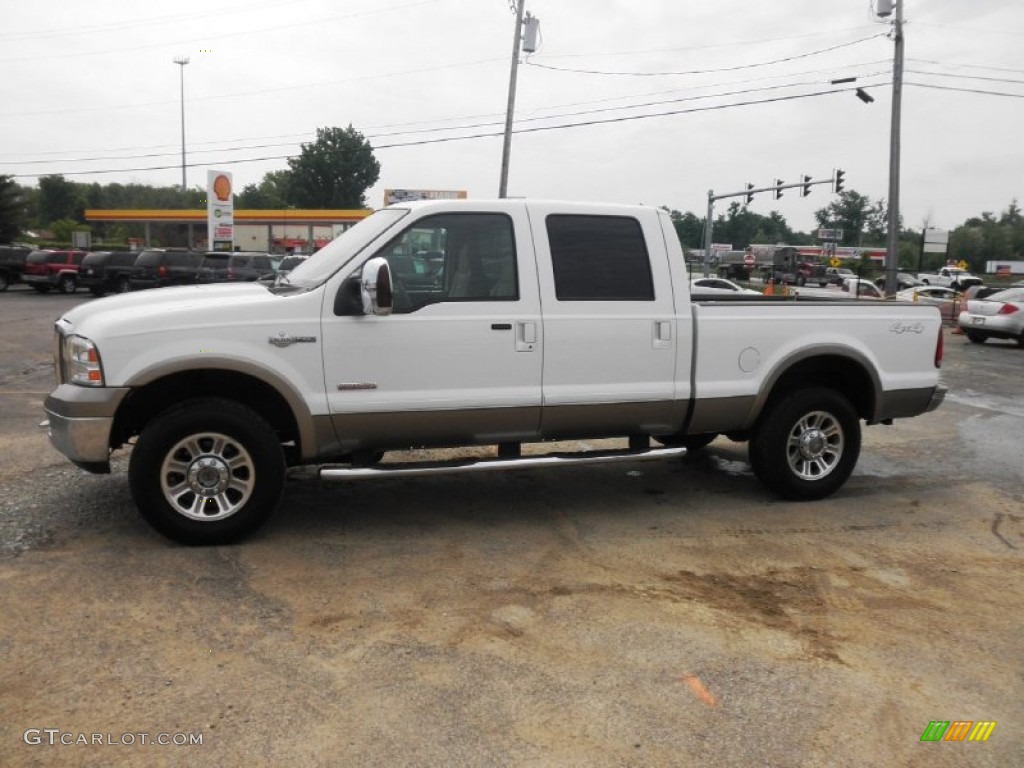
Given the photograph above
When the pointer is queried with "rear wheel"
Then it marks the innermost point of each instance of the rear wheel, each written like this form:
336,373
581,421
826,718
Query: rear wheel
806,444
977,338
67,284
122,285
207,471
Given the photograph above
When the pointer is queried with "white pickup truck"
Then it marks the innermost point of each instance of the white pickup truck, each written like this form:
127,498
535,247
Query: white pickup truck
950,277
457,323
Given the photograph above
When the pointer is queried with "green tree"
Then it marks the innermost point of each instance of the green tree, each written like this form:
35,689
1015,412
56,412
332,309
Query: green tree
855,215
689,228
334,171
58,199
271,193
12,210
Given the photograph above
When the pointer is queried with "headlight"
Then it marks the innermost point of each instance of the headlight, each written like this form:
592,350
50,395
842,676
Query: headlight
82,360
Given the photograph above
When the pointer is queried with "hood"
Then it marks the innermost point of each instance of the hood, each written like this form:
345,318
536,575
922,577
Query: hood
188,305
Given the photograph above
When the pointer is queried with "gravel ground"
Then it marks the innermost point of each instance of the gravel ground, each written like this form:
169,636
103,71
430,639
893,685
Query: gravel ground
659,614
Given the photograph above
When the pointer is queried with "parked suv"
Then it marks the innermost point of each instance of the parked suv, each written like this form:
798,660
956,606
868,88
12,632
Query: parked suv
160,267
245,265
53,269
12,263
107,271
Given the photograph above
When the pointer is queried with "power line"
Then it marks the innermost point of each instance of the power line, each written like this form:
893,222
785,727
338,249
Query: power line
462,127
967,90
967,66
490,134
705,71
37,56
966,77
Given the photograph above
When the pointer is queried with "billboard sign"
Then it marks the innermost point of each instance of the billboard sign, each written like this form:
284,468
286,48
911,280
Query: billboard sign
220,211
392,196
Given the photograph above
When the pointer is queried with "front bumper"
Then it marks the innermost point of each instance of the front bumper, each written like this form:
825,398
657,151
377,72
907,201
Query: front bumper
80,422
39,279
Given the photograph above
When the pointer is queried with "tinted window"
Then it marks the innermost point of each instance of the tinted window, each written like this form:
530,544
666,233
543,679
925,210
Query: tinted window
123,259
215,260
149,258
182,259
38,257
96,258
599,258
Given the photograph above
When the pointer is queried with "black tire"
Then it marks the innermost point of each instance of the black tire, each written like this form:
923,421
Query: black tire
123,286
207,471
977,338
67,284
4,282
801,281
806,444
692,443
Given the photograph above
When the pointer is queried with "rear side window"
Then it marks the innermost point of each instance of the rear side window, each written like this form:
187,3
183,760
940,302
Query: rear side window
599,258
182,260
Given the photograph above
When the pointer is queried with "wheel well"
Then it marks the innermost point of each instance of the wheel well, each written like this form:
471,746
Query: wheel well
835,372
144,403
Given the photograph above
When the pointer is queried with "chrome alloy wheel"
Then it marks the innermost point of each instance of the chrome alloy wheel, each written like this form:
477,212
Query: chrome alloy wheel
815,445
207,476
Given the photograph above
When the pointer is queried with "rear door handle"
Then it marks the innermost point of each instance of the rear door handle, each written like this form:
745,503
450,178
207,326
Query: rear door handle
526,335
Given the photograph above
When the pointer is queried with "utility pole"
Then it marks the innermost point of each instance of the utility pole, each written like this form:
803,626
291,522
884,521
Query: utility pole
892,254
181,61
507,146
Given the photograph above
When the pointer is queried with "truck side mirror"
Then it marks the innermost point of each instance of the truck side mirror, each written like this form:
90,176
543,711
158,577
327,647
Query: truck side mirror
377,291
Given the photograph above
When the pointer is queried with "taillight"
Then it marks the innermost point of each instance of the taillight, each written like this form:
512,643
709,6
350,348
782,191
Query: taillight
939,349
1007,309
161,271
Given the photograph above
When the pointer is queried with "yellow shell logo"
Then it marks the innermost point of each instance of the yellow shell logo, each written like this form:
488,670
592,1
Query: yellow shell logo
222,188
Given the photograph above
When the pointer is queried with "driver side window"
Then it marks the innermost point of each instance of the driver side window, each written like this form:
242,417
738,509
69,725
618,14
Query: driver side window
453,257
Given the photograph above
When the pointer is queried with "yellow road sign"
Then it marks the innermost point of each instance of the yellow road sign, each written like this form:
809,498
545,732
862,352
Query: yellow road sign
834,262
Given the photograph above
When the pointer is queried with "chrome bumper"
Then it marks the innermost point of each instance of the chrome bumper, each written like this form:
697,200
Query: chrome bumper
80,421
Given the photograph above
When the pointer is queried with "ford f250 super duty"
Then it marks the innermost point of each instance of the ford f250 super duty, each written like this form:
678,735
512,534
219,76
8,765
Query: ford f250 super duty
458,323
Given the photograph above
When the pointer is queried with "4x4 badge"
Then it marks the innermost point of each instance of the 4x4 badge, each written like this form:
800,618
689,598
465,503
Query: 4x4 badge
284,339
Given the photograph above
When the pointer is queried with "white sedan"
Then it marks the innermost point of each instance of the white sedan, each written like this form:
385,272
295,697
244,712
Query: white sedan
717,285
927,294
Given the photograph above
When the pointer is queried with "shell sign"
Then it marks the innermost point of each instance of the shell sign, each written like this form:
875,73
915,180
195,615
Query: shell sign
220,211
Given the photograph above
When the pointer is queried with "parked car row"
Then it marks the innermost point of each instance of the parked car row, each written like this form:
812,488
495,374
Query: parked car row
103,272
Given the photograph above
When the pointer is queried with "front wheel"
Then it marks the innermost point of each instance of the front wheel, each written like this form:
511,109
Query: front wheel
806,444
122,285
207,471
67,284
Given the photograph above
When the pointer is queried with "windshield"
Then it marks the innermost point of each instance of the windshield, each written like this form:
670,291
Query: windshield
325,262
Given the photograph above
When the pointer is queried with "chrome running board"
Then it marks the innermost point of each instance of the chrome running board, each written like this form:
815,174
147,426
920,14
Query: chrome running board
494,464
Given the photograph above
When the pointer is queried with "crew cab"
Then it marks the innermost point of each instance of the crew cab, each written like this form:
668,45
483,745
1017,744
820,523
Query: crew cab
48,269
950,277
468,323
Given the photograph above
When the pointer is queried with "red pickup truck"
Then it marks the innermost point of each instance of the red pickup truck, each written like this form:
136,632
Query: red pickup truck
53,269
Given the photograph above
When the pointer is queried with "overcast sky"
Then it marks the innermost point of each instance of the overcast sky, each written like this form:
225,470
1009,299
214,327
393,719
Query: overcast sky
679,96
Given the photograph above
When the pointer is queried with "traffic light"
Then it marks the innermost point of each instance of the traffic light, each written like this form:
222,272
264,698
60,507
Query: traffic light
778,188
807,187
838,186
750,195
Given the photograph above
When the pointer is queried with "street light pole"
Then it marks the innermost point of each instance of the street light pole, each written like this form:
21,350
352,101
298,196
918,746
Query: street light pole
507,146
892,253
181,61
